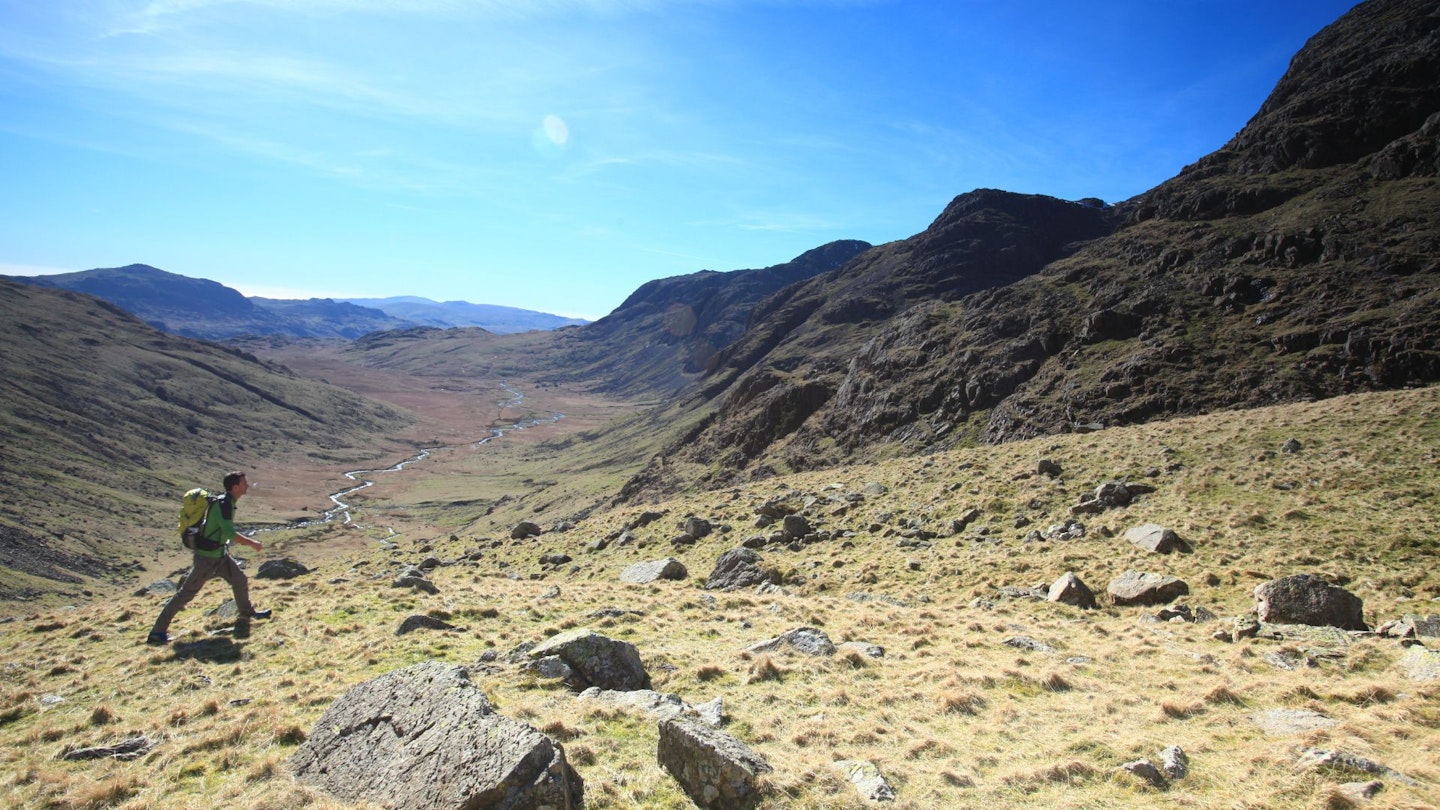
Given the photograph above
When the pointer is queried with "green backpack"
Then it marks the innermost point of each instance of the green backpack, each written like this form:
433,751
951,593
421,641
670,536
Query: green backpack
194,514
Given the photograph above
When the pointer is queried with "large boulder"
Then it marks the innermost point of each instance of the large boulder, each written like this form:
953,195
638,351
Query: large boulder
737,568
717,771
426,737
600,661
643,573
1308,599
525,529
1136,588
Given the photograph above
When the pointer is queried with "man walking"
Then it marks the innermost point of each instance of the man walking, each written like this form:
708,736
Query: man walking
212,559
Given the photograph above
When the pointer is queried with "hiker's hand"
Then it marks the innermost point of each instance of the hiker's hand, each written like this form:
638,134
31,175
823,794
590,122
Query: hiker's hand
255,544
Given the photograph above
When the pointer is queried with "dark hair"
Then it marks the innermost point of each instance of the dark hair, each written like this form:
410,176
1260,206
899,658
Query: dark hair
231,479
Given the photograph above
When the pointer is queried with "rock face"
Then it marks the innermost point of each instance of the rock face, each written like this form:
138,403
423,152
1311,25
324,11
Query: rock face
647,572
736,568
717,771
426,737
601,661
1308,599
1135,588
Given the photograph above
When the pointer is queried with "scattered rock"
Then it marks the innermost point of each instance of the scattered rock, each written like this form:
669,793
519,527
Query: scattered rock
1145,770
736,568
128,748
422,622
426,737
717,771
1157,539
525,529
1048,468
794,527
554,559
1174,763
1027,643
287,568
808,640
1308,599
698,528
1136,588
1185,613
1323,759
1070,590
600,661
160,587
1360,792
418,583
647,572
1291,446
867,779
864,648
660,705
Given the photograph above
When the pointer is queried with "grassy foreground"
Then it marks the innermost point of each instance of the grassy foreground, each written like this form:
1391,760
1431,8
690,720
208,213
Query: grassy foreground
952,715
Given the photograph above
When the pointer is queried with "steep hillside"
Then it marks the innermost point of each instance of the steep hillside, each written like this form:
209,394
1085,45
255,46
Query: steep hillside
106,419
1299,261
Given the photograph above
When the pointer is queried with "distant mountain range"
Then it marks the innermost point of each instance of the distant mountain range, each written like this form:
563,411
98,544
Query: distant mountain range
200,308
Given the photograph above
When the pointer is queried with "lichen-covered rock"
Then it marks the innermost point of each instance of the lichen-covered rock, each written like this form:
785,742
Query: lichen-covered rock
867,779
1308,599
717,771
601,661
426,737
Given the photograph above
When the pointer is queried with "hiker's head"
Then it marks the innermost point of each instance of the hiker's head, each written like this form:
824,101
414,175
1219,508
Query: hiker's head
235,483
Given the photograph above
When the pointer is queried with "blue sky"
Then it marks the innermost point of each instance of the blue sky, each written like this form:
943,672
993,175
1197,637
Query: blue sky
556,154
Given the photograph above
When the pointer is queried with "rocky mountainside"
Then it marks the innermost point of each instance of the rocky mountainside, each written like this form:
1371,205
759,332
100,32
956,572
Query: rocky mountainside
106,420
1299,261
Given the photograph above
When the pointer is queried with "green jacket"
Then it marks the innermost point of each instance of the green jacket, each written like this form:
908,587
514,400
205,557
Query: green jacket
219,527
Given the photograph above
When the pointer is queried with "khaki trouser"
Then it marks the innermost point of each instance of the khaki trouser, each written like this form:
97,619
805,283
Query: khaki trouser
204,570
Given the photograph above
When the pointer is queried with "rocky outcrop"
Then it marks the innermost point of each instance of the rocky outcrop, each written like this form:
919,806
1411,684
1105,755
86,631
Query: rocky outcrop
426,737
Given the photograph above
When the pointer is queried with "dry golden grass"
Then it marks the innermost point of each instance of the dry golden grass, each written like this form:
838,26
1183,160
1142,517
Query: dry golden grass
951,714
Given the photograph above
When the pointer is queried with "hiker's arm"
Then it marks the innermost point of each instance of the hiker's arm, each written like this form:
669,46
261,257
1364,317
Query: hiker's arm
245,540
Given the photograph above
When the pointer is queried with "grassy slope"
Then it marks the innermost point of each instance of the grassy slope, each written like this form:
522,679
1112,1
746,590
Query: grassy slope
952,715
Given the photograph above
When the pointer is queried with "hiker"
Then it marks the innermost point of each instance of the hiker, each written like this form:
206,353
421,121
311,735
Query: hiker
219,528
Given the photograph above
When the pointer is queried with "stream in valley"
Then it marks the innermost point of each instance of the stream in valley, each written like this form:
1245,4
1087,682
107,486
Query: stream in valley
363,480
